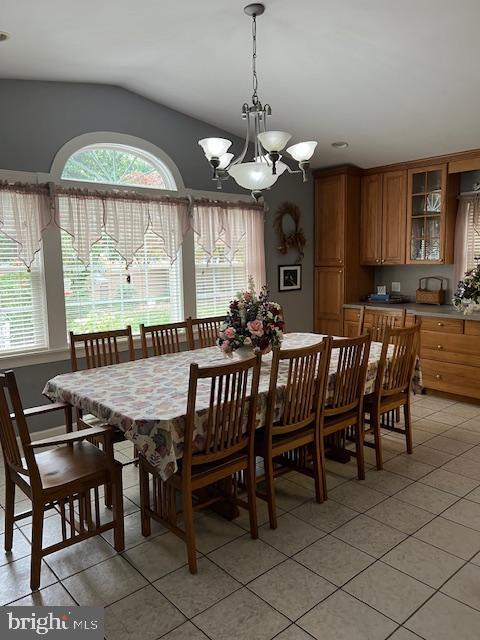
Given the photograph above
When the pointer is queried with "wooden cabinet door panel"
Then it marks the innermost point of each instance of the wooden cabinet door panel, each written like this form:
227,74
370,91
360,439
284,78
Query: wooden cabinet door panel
329,286
330,221
371,219
394,217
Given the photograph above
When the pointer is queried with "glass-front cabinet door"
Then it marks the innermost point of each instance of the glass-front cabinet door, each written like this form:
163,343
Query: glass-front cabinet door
426,214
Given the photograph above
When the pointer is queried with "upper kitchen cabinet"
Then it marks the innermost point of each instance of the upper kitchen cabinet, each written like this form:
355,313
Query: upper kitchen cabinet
330,210
383,216
431,210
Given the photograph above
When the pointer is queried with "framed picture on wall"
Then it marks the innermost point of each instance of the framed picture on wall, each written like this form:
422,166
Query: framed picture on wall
290,277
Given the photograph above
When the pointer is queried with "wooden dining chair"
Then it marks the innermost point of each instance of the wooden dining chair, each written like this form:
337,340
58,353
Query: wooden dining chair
303,392
203,332
393,385
222,448
159,339
101,349
375,321
63,478
344,397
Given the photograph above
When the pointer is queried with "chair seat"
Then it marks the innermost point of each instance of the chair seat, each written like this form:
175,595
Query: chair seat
387,403
202,473
285,442
342,421
67,464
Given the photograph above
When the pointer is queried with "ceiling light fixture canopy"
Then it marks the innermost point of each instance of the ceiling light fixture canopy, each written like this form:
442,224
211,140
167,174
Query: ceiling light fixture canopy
262,172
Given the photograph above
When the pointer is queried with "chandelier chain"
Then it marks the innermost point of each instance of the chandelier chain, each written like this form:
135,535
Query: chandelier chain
254,60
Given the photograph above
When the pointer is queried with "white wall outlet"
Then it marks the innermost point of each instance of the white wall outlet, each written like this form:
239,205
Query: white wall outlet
396,288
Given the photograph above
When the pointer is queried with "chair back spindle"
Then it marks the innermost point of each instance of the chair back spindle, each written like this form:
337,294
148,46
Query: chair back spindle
397,360
230,417
100,348
348,383
160,339
381,319
203,332
304,391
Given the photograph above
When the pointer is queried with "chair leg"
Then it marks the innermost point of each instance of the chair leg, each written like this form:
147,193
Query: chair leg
270,486
252,499
323,467
144,501
375,418
189,530
408,425
118,532
109,451
37,539
9,511
319,472
359,447
397,414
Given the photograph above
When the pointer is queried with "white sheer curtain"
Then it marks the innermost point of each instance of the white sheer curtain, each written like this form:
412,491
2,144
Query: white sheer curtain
467,235
25,212
126,218
229,223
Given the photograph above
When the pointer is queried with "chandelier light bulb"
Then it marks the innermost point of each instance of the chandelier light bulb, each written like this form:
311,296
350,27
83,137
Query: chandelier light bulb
302,151
214,147
274,140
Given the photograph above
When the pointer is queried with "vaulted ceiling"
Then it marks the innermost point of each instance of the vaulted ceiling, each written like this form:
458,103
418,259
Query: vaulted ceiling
397,80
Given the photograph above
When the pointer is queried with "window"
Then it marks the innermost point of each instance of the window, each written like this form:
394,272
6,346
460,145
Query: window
218,279
116,164
22,304
106,296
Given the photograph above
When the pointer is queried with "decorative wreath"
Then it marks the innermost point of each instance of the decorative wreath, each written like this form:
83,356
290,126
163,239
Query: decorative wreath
295,239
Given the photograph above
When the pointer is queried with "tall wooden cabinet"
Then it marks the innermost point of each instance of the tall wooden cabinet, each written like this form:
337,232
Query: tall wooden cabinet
339,277
383,218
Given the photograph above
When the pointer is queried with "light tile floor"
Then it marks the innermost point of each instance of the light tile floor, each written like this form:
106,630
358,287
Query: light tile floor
395,556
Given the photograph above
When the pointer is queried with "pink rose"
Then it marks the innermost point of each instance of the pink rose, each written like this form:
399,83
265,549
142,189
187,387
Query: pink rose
229,332
255,327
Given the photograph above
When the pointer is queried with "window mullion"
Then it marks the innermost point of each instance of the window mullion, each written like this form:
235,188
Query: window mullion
53,274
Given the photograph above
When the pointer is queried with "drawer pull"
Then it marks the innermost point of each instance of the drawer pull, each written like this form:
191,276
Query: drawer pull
438,376
439,346
440,324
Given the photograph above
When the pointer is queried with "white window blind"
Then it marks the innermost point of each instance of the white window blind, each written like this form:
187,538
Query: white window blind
473,233
101,298
217,278
23,324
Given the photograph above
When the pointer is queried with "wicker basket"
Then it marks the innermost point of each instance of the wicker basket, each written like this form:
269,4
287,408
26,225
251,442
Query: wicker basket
427,296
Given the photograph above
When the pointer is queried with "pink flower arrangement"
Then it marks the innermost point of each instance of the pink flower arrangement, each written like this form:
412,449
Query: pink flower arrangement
252,321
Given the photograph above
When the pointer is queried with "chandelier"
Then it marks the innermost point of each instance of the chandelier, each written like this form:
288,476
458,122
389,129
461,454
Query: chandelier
267,163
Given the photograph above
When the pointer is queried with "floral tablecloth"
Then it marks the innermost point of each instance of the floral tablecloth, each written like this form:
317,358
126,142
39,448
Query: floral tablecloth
147,398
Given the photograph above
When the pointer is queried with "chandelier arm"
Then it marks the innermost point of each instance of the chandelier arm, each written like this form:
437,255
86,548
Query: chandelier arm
243,153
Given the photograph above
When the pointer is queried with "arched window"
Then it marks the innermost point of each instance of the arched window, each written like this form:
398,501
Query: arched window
120,165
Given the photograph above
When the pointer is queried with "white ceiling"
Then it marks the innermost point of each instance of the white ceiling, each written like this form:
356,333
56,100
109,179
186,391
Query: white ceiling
397,79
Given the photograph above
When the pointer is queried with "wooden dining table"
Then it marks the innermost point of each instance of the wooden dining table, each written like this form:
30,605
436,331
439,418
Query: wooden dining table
147,398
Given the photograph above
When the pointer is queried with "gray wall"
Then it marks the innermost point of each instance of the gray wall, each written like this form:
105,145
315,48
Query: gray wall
408,275
37,118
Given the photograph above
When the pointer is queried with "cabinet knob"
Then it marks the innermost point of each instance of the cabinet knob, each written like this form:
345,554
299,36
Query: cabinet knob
377,260
439,324
438,376
339,271
439,346
382,260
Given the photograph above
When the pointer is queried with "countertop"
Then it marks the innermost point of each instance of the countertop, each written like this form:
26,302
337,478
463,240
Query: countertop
419,309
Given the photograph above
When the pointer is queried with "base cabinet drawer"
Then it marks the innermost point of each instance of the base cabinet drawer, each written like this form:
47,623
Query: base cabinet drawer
448,347
459,379
444,325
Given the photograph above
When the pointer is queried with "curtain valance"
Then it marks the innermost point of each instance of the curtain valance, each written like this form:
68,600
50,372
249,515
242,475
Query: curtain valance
125,217
25,211
229,222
